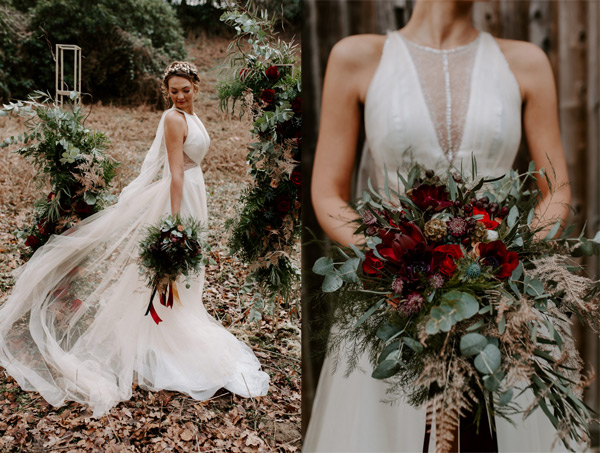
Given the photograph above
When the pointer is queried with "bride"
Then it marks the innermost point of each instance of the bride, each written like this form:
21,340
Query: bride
73,327
436,91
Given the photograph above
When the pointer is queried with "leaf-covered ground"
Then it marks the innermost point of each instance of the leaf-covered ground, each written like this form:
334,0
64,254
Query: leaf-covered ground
163,421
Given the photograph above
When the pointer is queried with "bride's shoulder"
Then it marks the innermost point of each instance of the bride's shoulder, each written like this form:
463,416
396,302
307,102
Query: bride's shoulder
528,62
357,51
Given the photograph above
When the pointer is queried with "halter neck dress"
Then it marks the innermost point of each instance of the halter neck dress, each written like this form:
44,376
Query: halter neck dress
436,108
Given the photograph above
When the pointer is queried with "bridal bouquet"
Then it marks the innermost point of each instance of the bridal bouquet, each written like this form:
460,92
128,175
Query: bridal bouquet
170,249
454,295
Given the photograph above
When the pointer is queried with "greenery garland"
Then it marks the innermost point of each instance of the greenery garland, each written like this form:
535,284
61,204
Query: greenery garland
262,77
68,156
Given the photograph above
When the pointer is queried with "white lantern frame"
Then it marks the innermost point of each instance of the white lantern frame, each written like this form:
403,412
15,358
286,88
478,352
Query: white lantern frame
61,88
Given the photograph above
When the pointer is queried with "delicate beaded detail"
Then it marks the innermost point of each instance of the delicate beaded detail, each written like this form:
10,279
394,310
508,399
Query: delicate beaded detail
444,75
448,105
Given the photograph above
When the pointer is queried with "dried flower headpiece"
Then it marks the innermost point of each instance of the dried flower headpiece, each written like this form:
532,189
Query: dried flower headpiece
181,66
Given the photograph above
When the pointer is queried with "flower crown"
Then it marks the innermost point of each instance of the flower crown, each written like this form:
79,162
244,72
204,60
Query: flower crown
181,67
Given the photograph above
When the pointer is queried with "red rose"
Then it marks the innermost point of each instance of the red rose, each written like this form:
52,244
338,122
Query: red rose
502,261
486,220
371,264
430,196
296,177
32,241
268,95
445,257
81,207
283,203
272,73
297,105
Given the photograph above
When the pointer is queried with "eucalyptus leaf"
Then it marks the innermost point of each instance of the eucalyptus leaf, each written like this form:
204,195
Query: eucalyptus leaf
412,344
386,369
472,344
513,215
323,266
488,360
332,283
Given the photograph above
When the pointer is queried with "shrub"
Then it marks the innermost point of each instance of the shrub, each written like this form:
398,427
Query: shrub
13,76
68,156
125,45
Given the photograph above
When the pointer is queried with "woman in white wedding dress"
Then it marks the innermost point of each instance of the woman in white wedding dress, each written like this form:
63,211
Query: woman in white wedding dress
435,92
74,328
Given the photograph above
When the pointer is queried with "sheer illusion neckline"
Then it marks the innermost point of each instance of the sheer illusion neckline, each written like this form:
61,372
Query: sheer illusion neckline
471,43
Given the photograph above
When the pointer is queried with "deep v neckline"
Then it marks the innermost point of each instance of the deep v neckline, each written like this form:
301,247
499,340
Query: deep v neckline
432,131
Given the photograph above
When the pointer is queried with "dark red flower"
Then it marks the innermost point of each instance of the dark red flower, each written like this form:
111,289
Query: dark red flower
50,196
486,220
430,196
296,177
244,72
81,207
395,243
283,203
43,227
32,241
268,95
272,72
445,257
371,264
297,105
502,261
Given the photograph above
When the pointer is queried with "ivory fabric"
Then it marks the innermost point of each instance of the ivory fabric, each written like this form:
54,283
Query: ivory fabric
74,328
420,109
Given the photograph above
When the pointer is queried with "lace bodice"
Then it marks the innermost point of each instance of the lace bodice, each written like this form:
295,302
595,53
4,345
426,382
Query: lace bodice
438,107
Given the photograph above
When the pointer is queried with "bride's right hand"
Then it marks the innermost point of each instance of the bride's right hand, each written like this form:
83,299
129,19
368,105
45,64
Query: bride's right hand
352,64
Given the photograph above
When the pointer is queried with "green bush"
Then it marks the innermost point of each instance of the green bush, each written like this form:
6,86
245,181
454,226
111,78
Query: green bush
125,45
13,76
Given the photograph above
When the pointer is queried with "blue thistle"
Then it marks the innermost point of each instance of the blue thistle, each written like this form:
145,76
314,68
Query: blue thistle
473,271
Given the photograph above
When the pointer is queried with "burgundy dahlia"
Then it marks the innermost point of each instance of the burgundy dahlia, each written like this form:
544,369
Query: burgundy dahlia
296,177
430,196
283,203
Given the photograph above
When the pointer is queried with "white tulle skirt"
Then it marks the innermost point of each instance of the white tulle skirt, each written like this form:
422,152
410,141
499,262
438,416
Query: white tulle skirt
74,328
349,415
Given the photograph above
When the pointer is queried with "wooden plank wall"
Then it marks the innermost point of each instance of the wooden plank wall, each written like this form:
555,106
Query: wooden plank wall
567,30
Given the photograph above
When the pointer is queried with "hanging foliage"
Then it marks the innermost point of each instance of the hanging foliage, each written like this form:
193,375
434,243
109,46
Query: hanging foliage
69,157
262,78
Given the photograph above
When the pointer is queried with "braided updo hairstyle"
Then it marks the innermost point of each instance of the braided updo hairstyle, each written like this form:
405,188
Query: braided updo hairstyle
180,69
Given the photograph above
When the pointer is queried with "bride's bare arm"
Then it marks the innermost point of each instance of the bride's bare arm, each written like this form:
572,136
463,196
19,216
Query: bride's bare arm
175,131
540,120
350,68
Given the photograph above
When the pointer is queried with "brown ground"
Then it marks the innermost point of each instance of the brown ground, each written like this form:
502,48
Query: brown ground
163,421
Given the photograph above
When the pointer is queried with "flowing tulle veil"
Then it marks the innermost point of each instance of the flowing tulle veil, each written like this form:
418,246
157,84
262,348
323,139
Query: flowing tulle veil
73,327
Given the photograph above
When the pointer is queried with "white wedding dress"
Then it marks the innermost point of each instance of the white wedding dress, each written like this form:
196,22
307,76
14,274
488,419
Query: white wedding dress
436,108
74,328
